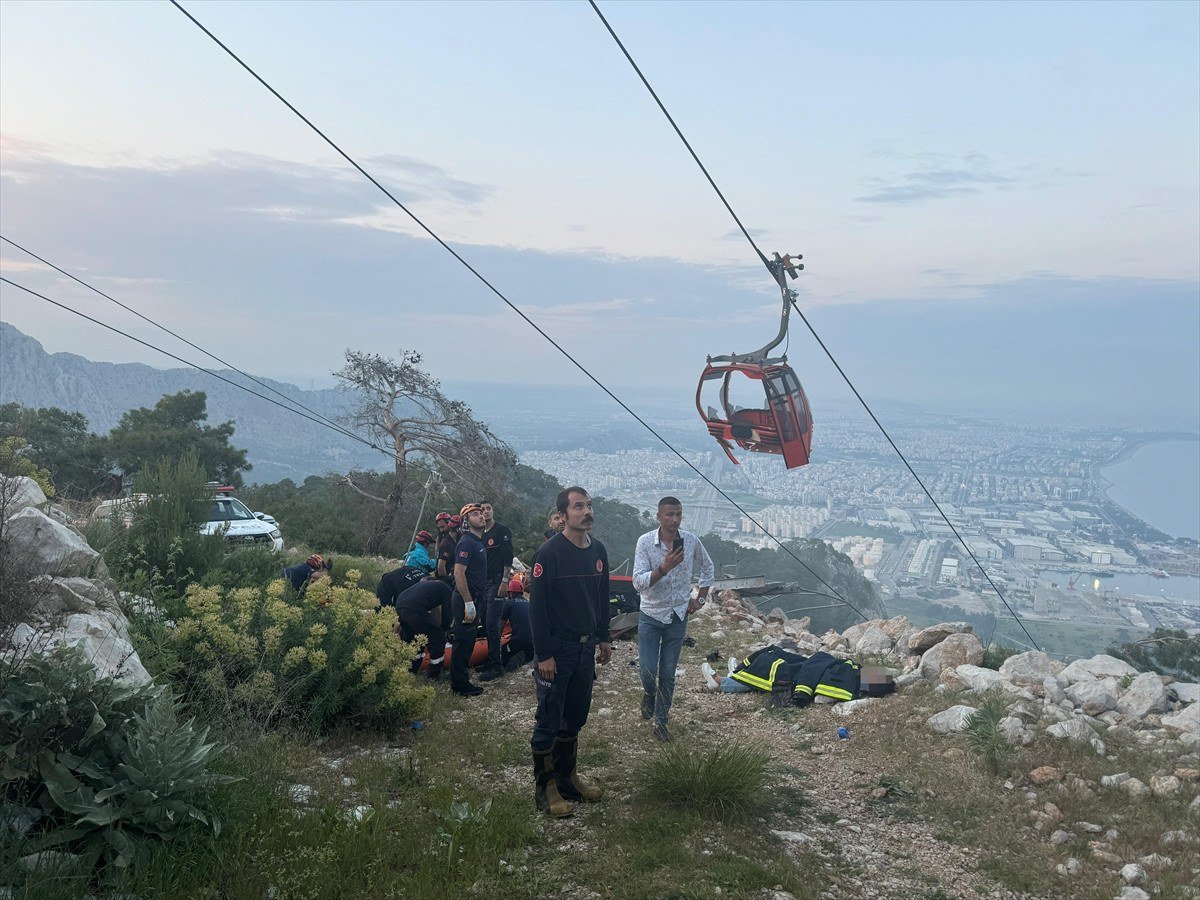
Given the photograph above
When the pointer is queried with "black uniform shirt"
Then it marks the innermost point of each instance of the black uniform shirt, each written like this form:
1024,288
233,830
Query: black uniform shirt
569,595
470,553
445,553
424,596
498,542
395,583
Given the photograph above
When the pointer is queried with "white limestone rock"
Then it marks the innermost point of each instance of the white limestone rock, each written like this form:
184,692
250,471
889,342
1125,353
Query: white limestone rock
951,720
1030,668
1099,666
48,547
1073,729
1145,694
956,649
1186,691
873,640
1187,720
927,638
103,637
1093,696
22,491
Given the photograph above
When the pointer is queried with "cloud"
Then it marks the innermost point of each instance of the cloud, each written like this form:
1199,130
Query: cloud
938,178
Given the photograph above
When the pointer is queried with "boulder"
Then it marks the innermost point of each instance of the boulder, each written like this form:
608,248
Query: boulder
955,649
48,546
1145,694
1186,720
1186,691
873,640
852,706
1099,666
896,626
57,596
23,492
1015,732
103,636
1030,668
1132,873
951,720
1073,729
977,678
1045,774
1052,689
1135,788
1094,696
902,648
831,640
930,637
854,632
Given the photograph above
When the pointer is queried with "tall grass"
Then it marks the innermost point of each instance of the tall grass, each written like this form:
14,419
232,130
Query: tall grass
728,781
984,734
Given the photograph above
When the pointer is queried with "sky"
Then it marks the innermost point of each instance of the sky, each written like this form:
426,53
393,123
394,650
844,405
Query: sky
998,203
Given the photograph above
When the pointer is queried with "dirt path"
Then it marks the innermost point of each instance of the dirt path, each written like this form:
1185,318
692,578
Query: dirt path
868,846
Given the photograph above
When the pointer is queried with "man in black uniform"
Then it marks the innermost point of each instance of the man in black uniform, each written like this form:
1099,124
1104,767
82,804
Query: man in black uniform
470,585
519,649
395,583
446,548
415,608
497,540
569,609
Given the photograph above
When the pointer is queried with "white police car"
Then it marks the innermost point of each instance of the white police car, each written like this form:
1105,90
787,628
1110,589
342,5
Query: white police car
242,528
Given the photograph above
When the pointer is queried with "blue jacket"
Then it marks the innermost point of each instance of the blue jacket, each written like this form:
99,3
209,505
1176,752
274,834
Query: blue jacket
418,557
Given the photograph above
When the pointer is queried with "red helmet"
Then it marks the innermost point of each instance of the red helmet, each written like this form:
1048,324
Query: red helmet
315,561
443,517
456,521
424,537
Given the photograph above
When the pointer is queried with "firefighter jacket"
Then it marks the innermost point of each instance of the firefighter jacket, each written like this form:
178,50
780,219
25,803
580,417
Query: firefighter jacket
770,668
825,674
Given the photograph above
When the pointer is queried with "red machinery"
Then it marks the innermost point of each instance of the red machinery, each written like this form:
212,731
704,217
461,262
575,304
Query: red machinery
783,425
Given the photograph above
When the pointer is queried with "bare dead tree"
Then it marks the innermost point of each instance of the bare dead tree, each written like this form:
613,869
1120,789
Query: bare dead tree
404,408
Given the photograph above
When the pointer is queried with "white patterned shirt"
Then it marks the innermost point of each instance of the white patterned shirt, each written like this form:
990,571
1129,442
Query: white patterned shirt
672,592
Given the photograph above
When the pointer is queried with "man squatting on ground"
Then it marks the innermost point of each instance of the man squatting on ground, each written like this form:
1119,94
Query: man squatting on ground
470,587
416,608
497,541
569,610
663,564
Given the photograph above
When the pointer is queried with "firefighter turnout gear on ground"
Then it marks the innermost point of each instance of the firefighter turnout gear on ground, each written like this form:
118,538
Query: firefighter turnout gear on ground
822,674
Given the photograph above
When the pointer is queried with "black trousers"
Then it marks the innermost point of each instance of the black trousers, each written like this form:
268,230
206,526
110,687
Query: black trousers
564,703
464,643
414,622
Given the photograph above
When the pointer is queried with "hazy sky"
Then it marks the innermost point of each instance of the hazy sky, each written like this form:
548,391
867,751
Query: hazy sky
992,199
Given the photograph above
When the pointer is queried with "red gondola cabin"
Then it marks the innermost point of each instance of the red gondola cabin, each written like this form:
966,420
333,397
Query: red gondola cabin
782,427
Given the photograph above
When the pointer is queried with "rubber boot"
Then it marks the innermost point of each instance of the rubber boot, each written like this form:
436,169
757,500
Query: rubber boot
545,792
570,785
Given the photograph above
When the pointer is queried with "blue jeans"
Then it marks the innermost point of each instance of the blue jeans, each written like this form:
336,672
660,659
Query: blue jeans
658,653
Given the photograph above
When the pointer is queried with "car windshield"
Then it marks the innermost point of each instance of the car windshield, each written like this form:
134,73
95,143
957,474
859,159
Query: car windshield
227,509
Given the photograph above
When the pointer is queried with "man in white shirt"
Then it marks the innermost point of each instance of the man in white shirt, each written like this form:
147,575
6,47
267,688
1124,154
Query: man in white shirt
663,566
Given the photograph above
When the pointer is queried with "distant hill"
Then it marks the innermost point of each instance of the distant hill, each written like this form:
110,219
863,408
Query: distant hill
279,444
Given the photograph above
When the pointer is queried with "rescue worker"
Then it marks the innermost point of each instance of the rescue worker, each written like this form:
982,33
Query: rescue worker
497,541
568,610
470,585
394,583
663,565
418,557
447,545
415,609
519,649
298,575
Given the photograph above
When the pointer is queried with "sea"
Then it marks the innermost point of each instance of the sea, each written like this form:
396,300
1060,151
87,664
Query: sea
1160,484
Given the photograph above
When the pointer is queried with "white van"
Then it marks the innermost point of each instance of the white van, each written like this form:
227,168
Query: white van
241,527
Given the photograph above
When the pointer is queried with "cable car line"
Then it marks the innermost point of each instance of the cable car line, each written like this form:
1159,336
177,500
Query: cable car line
804,318
532,324
193,365
347,432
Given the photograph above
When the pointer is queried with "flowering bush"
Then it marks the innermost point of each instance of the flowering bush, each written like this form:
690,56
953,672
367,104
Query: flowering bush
330,657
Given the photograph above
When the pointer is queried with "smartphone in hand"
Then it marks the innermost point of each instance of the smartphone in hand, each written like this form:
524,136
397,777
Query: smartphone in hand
677,546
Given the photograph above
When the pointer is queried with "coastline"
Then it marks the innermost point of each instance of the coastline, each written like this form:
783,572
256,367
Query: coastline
1126,453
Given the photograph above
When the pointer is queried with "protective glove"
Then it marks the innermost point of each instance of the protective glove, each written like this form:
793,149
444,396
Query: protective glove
469,612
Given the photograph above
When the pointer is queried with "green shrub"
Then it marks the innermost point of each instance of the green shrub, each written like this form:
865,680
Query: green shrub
253,567
984,734
162,551
328,658
726,782
996,654
93,767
